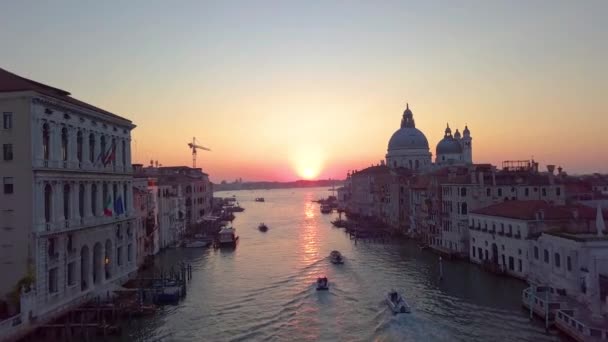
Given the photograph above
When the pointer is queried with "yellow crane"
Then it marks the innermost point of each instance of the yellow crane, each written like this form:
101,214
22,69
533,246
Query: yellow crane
195,147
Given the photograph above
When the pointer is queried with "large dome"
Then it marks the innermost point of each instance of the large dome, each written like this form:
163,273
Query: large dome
408,138
448,145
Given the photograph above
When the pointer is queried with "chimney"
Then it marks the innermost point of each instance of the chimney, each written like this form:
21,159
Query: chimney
559,170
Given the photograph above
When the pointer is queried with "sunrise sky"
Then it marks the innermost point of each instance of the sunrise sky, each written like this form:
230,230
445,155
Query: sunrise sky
287,90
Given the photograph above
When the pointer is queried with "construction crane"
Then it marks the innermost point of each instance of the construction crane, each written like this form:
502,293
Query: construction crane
195,147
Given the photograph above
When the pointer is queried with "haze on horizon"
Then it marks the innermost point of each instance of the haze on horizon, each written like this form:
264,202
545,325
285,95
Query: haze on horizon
283,90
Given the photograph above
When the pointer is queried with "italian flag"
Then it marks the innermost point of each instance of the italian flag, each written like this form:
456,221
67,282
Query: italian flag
107,208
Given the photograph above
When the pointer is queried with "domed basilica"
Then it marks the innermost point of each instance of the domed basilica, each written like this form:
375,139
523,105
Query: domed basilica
409,148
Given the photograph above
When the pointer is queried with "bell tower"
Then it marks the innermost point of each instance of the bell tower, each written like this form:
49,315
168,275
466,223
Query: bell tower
467,146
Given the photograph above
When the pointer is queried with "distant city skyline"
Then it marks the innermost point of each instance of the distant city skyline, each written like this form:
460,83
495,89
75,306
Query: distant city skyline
285,90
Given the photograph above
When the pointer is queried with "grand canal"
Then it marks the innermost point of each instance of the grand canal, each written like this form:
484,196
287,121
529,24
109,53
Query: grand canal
264,289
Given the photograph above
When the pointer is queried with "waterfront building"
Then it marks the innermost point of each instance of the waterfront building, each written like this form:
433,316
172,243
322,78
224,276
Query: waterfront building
191,183
364,189
66,215
477,186
572,266
146,215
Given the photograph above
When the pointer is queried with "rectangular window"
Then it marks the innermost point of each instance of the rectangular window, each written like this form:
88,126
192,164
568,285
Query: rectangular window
7,120
546,255
53,280
558,191
527,192
71,273
569,263
558,260
8,185
511,263
535,252
129,252
7,151
519,264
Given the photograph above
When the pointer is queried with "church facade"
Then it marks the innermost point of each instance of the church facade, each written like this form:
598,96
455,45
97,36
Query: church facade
409,148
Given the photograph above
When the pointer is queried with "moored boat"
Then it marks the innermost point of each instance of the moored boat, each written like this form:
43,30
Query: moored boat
263,227
227,237
325,208
336,257
322,284
396,302
259,199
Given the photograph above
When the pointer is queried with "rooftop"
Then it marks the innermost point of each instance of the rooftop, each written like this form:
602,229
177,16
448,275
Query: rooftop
10,82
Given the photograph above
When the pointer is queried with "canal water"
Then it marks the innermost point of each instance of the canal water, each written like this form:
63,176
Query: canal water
263,290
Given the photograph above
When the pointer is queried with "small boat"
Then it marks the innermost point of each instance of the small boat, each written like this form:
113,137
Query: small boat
197,244
325,208
259,199
262,227
336,257
322,284
227,237
396,302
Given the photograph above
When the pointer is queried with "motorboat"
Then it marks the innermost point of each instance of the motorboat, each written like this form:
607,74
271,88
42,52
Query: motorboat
336,257
227,237
325,208
259,199
197,244
322,284
263,227
396,302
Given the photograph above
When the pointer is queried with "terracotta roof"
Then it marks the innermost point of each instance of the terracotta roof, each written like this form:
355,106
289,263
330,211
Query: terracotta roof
10,82
378,169
526,210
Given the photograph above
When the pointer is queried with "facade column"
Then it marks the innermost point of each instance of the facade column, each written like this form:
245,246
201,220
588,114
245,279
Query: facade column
100,199
37,142
87,200
53,145
57,207
118,161
39,200
75,199
85,149
71,150
128,155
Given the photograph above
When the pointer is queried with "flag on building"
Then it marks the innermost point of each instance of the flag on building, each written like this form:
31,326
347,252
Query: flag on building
118,206
110,155
107,208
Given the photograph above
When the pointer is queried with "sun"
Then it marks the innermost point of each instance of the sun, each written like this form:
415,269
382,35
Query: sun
308,173
307,161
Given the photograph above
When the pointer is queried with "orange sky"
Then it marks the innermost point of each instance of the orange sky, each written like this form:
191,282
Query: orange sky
283,90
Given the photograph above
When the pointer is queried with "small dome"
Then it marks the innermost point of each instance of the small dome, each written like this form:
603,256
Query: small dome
457,134
408,138
448,145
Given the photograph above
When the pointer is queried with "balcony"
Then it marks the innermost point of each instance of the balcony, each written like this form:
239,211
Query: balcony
78,223
484,229
501,233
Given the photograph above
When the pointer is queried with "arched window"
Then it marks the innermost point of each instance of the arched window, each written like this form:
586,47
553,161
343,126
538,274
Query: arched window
124,153
81,200
64,144
102,147
45,141
464,208
463,192
48,195
488,192
410,162
104,193
92,148
79,146
112,161
94,199
66,201
125,196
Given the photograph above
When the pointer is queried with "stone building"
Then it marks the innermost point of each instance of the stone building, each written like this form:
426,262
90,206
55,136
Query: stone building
66,216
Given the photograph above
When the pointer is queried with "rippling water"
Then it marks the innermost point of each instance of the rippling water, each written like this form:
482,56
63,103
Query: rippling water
264,289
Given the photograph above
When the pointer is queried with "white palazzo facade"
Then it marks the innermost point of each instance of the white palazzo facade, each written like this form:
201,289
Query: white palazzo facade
66,221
